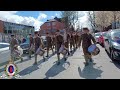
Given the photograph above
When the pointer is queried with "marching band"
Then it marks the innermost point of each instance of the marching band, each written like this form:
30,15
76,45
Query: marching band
64,44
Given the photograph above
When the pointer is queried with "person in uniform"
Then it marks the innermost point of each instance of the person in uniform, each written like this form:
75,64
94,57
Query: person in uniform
74,40
71,42
49,44
31,43
38,43
13,42
67,42
86,38
59,41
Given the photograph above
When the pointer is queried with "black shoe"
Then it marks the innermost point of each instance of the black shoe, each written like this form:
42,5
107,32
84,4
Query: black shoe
91,60
30,57
65,59
58,63
43,59
35,63
47,56
86,63
68,54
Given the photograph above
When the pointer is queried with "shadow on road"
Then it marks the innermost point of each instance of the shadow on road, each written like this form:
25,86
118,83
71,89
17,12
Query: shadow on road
51,55
89,72
24,60
56,69
1,70
30,69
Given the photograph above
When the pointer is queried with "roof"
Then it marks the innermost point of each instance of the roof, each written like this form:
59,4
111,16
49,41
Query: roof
51,20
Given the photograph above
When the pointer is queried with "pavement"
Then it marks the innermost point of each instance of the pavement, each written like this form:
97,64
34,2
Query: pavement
73,68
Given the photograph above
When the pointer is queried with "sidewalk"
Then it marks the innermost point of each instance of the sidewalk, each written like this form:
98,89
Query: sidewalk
73,68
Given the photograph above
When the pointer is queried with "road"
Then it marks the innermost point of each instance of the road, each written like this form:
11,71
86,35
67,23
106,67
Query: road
73,68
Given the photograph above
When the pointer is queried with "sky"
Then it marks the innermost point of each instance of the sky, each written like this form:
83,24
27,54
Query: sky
36,18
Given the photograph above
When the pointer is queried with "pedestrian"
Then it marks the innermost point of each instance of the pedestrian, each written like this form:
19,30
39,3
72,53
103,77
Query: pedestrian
38,43
86,38
59,41
31,45
13,42
49,44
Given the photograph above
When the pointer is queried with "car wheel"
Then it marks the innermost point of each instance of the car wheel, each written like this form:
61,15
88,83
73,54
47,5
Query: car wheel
112,55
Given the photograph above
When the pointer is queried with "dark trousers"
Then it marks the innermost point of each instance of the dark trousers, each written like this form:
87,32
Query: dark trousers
48,48
87,55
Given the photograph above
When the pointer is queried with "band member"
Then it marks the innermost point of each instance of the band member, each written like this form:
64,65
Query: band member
59,41
53,42
74,40
49,44
31,44
67,42
86,38
71,42
37,43
13,42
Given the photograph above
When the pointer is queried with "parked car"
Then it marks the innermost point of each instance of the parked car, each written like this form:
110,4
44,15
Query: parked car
4,52
101,38
97,35
25,47
112,43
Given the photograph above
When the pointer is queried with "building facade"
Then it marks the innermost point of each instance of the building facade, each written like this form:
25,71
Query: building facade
8,28
50,26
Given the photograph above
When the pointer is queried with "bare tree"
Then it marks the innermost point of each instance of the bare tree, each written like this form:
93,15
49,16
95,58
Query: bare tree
69,17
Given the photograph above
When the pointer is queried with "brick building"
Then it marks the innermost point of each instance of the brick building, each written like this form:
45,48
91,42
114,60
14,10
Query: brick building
50,26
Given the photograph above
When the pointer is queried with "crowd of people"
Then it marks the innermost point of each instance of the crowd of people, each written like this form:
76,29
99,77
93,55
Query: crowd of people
64,44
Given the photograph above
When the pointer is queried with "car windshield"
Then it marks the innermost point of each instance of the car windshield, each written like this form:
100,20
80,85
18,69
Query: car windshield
115,35
97,34
104,34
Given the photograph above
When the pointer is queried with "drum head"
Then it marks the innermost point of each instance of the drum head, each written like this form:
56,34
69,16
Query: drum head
96,51
91,48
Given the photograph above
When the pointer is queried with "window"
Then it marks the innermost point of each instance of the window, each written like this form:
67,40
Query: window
48,24
53,23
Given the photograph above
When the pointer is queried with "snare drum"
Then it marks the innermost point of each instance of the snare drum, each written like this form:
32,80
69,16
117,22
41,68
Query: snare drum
94,50
64,52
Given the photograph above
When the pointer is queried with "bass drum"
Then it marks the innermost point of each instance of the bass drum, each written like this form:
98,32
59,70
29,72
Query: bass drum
94,50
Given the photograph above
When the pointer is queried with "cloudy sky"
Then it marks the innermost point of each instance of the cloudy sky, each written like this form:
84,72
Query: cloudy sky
36,18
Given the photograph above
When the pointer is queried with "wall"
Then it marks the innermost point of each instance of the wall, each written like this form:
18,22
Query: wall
1,27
